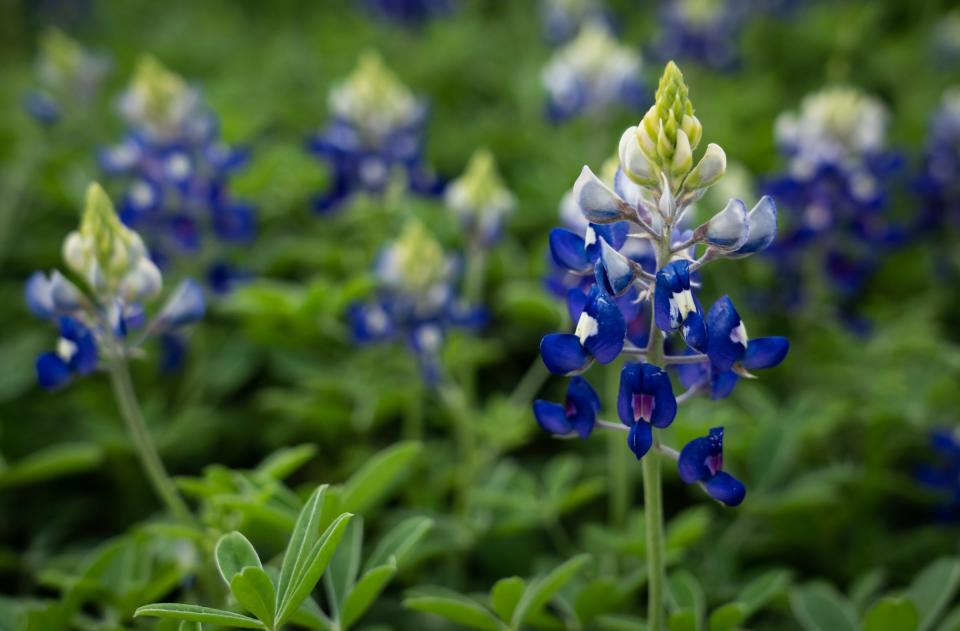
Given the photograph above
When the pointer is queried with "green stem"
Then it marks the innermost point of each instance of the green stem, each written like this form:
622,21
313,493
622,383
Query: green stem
455,401
617,459
530,383
653,515
149,458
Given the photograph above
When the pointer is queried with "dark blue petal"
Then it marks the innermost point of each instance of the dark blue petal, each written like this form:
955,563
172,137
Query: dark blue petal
606,341
640,438
85,356
369,323
692,464
235,223
673,279
52,372
551,417
576,302
694,330
726,489
722,383
725,345
765,352
631,383
615,234
657,383
562,354
567,249
613,271
582,396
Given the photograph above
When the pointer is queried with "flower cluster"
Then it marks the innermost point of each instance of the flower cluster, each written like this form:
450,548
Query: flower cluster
654,187
939,182
562,19
836,189
374,138
97,316
591,74
177,171
68,77
943,477
409,12
416,299
480,200
703,30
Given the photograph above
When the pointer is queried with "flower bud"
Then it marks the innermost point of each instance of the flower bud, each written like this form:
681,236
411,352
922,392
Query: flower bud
727,230
682,157
669,126
597,200
634,163
479,197
762,229
615,272
709,170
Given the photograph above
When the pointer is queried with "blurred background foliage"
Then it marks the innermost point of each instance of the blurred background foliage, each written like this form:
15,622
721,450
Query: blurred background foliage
828,444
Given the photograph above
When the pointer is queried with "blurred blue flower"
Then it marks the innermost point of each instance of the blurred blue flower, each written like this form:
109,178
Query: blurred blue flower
562,19
415,301
939,182
701,460
943,476
480,200
593,74
68,78
409,12
835,193
578,413
76,355
176,169
707,31
375,137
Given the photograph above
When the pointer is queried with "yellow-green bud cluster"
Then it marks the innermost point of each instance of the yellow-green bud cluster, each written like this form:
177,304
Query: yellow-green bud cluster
415,262
480,190
110,257
373,97
661,147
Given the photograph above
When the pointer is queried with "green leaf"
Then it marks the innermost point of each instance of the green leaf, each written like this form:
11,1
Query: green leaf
866,586
505,596
454,607
233,553
687,594
283,462
344,566
727,617
764,588
602,595
308,574
683,619
892,614
818,607
400,541
305,533
620,623
190,626
366,591
52,462
541,590
951,622
933,589
254,590
381,473
194,613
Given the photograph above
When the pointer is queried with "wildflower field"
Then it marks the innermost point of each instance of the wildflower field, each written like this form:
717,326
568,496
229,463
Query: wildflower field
413,315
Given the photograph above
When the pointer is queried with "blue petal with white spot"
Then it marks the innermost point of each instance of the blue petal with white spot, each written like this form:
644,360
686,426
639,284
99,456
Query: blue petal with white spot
601,328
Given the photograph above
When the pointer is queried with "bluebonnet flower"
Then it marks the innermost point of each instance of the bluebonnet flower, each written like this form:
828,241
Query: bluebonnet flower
655,184
480,200
939,181
578,413
836,190
176,169
117,277
415,301
375,137
592,74
69,78
409,12
701,460
707,31
943,476
562,19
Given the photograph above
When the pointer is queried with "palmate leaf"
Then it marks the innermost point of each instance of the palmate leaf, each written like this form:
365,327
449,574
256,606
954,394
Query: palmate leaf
255,591
233,553
305,532
542,589
342,572
194,613
308,572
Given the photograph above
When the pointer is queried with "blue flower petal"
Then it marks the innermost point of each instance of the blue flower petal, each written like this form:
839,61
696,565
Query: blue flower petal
603,339
584,403
39,296
672,280
551,417
631,381
657,382
52,371
765,352
562,354
726,489
694,330
576,302
701,458
613,271
727,339
722,383
185,306
567,249
615,234
640,439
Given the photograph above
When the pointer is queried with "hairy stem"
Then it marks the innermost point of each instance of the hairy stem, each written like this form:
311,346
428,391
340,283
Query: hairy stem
653,514
147,451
